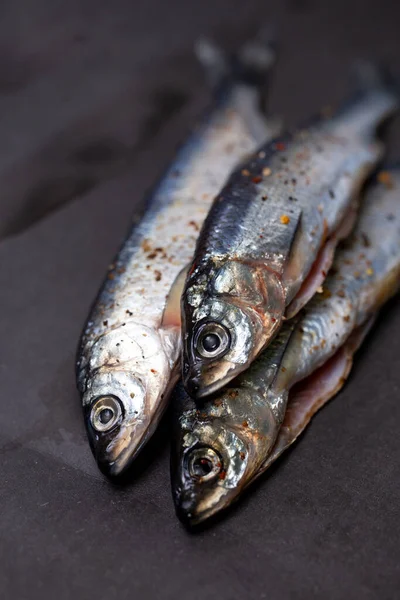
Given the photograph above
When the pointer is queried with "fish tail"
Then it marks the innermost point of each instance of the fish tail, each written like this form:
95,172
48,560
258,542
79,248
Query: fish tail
375,99
245,74
250,65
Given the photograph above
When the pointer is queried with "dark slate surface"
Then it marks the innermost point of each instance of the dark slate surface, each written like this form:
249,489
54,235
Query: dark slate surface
94,96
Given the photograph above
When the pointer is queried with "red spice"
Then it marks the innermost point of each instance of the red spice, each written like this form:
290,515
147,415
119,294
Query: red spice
386,178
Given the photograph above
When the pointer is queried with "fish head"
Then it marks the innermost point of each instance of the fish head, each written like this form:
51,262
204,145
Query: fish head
218,449
229,312
127,380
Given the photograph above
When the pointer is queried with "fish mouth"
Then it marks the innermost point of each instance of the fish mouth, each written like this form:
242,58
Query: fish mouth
202,380
191,504
115,468
185,508
114,452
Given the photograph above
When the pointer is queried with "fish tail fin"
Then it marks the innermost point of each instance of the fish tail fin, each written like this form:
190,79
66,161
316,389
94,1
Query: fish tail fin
247,71
213,60
375,99
251,64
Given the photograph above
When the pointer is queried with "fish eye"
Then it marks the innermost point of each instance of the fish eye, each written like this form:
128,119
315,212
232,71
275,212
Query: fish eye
204,464
212,340
106,413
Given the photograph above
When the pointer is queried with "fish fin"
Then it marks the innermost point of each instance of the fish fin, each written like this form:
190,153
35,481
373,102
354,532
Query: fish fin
172,311
323,262
285,230
213,60
314,279
253,62
247,72
310,395
250,65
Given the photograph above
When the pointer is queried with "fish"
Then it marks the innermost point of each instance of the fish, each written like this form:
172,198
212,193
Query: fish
271,233
231,438
128,355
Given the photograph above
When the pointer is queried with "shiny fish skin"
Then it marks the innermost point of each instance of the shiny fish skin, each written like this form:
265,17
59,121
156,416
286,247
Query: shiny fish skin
131,343
264,233
236,433
311,394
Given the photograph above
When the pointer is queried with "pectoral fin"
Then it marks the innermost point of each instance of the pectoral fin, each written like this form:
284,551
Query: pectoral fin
172,312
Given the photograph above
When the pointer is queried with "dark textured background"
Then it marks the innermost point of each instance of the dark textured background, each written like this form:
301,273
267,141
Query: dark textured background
94,97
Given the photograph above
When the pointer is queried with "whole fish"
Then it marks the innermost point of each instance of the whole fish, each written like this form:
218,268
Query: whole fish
270,235
129,350
222,445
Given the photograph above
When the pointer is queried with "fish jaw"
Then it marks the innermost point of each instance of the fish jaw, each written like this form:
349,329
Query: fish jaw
239,305
218,449
129,374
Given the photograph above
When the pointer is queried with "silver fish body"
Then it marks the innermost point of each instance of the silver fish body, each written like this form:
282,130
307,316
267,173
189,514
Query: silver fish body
270,236
311,394
129,350
240,428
